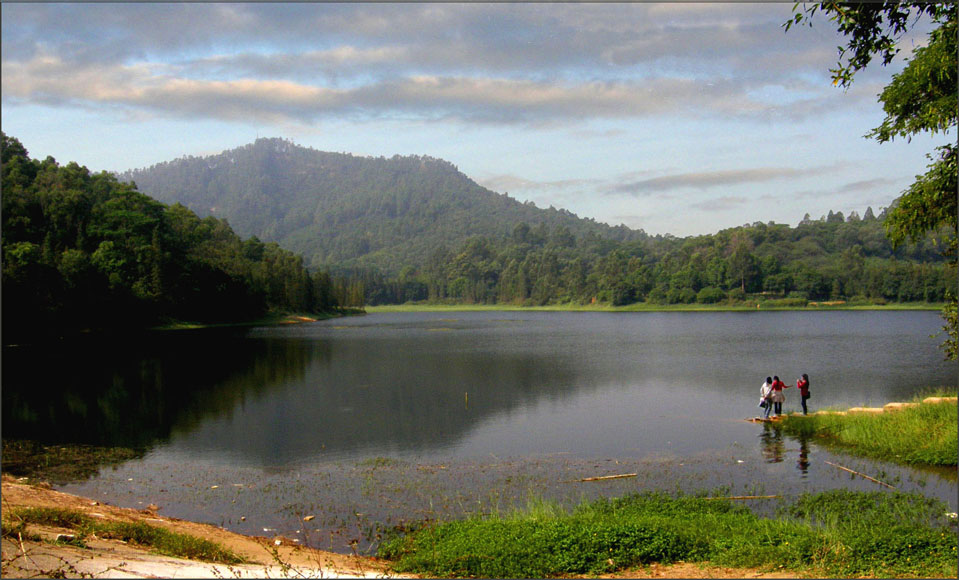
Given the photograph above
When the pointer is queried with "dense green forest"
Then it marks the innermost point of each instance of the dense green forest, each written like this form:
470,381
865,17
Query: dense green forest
86,251
337,209
833,258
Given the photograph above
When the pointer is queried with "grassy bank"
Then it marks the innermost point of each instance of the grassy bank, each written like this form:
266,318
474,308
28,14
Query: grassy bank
157,539
748,306
837,533
922,434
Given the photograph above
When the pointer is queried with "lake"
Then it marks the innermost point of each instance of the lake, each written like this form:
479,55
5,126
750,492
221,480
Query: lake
390,417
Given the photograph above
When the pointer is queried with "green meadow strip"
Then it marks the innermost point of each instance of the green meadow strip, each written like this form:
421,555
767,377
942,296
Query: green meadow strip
886,535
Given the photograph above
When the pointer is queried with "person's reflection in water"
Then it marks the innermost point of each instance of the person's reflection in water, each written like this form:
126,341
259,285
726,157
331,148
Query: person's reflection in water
772,442
803,462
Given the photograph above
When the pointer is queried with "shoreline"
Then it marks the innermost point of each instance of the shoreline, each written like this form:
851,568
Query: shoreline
45,550
643,307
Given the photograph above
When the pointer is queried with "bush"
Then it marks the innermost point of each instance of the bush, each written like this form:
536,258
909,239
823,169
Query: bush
687,296
657,296
710,295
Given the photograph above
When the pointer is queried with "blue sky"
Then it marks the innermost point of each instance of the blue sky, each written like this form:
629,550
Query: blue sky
670,117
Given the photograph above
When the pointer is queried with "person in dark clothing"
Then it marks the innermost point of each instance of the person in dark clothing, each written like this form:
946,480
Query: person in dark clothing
803,385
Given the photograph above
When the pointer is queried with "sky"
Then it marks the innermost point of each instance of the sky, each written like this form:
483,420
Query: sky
673,118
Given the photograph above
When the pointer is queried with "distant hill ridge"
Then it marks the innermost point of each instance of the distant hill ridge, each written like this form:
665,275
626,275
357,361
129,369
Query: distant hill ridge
337,209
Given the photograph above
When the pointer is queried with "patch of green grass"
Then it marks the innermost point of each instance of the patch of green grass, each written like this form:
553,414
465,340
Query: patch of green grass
921,435
818,533
158,539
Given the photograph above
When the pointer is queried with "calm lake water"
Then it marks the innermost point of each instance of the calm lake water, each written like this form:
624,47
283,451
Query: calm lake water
376,419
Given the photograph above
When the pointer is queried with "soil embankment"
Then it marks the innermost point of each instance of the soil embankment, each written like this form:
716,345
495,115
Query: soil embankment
113,558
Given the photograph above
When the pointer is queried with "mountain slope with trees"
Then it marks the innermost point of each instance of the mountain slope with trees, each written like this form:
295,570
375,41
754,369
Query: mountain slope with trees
337,209
415,228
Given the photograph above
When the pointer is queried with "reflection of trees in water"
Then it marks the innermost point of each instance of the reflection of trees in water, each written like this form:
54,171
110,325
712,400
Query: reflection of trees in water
130,393
386,397
274,400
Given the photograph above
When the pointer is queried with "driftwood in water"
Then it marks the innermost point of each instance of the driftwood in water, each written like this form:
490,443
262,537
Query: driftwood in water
605,477
861,475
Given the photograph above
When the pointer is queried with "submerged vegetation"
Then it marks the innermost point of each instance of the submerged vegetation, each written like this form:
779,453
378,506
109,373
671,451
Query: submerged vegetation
887,534
917,434
60,463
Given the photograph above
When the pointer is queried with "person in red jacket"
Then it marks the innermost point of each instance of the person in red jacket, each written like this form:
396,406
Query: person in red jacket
777,396
803,385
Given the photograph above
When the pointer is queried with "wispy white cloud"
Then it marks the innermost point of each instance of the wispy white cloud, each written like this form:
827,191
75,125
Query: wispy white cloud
705,180
724,203
869,185
53,80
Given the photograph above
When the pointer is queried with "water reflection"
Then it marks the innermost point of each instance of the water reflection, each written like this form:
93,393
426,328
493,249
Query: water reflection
382,398
268,400
802,463
135,392
773,447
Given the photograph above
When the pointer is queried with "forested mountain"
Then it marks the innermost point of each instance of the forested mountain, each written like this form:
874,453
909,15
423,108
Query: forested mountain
415,228
83,250
348,211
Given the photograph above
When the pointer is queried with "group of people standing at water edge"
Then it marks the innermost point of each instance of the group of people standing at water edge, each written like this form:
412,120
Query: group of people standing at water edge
772,397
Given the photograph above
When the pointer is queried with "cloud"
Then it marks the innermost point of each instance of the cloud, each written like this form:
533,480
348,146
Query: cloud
868,185
505,183
705,180
162,89
540,65
725,203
